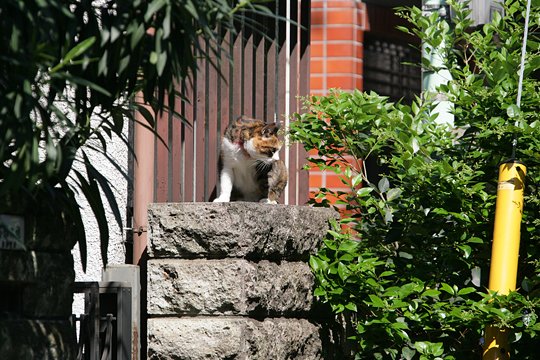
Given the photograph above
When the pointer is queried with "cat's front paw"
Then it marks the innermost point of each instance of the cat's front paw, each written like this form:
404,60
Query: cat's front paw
222,199
267,201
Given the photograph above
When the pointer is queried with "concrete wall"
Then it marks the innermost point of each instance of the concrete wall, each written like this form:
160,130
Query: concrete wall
231,281
117,150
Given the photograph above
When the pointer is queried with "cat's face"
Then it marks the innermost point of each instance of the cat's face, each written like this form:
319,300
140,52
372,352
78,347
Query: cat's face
264,145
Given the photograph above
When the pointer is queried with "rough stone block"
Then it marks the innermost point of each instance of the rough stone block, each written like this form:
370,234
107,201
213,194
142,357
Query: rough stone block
228,287
232,338
36,339
51,294
17,266
237,229
45,280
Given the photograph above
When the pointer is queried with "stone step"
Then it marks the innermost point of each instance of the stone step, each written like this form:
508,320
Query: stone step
233,338
229,287
238,229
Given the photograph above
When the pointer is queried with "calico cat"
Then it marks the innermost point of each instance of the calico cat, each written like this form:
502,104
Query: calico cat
250,168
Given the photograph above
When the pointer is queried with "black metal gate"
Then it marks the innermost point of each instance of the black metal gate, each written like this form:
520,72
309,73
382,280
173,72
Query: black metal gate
104,331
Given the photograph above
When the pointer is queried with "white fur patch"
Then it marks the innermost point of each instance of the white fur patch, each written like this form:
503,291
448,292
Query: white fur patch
250,148
231,151
238,170
267,201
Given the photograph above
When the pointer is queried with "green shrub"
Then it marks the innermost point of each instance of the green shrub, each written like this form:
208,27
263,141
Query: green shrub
411,262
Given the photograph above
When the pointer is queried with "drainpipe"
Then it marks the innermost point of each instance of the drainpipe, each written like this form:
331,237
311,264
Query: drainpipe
143,183
505,249
432,79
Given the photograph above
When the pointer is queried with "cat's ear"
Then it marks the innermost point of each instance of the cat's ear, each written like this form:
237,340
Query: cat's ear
270,130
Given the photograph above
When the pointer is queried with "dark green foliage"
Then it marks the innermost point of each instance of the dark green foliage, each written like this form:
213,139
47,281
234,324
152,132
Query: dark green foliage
69,74
411,264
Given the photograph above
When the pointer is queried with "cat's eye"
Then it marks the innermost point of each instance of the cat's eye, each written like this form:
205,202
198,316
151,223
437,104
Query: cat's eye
268,151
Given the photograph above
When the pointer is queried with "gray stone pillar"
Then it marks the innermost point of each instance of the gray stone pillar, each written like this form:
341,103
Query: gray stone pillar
36,284
231,281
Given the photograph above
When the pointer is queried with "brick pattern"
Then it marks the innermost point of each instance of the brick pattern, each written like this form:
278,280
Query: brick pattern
337,35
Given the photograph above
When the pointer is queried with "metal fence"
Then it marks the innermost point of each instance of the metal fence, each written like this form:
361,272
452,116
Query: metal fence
387,70
105,328
268,72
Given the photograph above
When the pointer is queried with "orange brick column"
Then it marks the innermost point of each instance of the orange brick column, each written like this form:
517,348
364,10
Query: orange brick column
337,34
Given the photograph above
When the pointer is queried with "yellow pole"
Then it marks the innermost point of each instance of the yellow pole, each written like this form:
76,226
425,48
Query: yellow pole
505,250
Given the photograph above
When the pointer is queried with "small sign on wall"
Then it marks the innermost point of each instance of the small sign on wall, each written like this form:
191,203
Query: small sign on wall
11,232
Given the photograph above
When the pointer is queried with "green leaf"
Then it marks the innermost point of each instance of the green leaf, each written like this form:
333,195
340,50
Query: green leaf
405,255
153,7
376,301
75,52
447,288
136,36
466,291
393,194
512,111
154,58
343,271
364,191
408,353
161,62
356,180
383,185
431,293
466,250
319,292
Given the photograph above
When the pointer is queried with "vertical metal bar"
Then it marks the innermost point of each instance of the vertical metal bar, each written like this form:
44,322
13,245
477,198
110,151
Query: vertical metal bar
271,79
183,178
221,110
303,175
176,150
161,157
242,67
231,76
195,123
171,145
237,85
199,127
276,70
287,91
91,300
143,183
123,323
212,139
154,167
207,139
259,79
281,79
188,147
293,91
248,74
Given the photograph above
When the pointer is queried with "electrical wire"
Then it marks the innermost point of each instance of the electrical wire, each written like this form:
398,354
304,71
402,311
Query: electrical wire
520,72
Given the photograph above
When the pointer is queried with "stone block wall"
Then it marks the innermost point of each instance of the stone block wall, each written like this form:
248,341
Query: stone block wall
231,281
36,288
